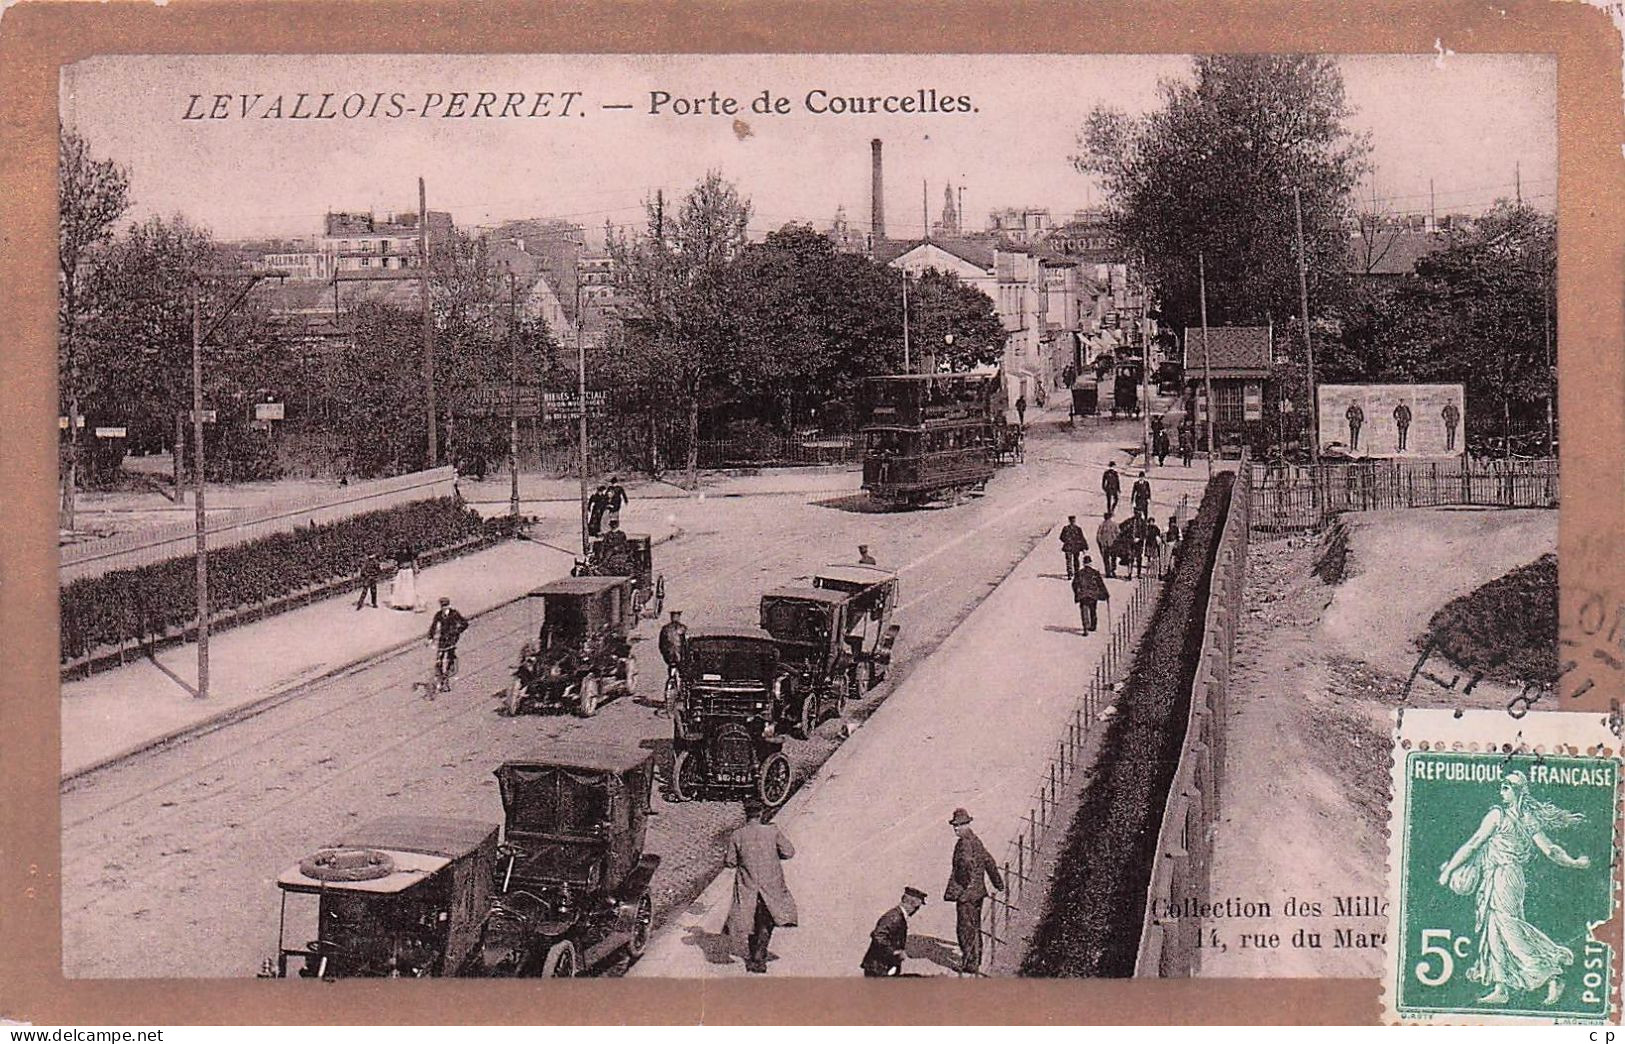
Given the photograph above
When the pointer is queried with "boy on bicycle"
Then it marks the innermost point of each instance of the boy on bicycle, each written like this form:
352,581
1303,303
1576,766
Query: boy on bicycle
447,626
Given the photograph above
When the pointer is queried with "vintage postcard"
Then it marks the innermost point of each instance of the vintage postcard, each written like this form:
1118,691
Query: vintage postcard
1504,863
756,517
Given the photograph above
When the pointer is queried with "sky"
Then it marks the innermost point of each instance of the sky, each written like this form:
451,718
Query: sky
1470,124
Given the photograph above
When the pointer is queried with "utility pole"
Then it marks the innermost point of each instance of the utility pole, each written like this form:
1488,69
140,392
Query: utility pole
200,522
429,409
1145,373
961,210
1308,345
513,400
1207,359
581,400
905,323
1517,181
200,518
925,210
1433,214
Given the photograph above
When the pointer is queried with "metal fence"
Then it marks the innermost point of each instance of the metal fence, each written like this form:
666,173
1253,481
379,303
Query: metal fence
1168,944
1010,916
152,544
1291,498
767,450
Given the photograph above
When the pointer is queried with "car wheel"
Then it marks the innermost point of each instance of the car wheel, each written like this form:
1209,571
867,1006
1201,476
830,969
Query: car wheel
806,722
587,697
629,672
773,780
685,776
510,702
561,962
874,675
641,924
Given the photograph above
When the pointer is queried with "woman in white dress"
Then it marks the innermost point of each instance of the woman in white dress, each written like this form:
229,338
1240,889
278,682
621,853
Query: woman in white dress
1512,953
403,592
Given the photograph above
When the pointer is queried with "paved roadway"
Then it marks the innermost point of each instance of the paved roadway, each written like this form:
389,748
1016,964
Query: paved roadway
169,859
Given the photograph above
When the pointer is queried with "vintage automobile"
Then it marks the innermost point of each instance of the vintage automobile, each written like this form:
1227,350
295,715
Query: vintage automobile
727,716
811,627
571,890
635,561
402,896
582,651
872,595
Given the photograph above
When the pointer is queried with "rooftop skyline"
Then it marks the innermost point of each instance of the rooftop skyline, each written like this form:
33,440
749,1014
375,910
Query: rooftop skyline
1471,125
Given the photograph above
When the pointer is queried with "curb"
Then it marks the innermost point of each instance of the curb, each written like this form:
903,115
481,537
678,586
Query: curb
272,700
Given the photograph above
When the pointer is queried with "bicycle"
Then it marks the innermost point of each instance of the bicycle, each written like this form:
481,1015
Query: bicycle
445,670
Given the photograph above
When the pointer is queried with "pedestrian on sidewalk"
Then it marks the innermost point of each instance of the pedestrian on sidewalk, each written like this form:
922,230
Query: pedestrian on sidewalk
1159,445
1153,548
967,889
1106,539
1171,540
864,557
888,943
1073,544
1140,497
762,901
614,499
1088,589
1021,410
371,571
403,589
597,504
1111,485
1187,444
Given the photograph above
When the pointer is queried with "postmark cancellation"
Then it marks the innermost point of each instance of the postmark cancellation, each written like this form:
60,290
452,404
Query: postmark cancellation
1503,866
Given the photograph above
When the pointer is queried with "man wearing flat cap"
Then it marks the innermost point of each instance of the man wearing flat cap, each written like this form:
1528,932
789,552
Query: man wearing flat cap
966,889
888,943
762,901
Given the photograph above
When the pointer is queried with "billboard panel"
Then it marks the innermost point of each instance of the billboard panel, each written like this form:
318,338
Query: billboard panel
1392,420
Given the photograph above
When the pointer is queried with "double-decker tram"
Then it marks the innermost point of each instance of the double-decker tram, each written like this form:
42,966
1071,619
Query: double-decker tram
929,436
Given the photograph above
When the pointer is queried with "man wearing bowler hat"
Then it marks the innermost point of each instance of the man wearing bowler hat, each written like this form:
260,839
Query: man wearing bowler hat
762,901
966,889
888,943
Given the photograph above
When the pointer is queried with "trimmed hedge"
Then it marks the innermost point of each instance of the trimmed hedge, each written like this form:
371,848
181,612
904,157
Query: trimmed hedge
1091,921
1506,628
149,602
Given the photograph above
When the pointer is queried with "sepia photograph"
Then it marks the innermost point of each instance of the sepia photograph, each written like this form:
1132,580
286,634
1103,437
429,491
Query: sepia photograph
800,515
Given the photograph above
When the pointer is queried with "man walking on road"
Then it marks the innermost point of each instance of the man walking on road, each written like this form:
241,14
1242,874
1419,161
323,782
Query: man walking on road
1106,540
888,943
596,506
762,901
371,571
1073,544
1111,485
614,499
673,648
1159,445
1140,497
1021,410
967,889
1187,444
1088,589
864,557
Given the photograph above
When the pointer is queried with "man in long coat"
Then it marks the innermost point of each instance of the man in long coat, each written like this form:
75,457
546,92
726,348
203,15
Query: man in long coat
1106,539
762,901
1112,486
1088,588
967,889
888,943
1073,544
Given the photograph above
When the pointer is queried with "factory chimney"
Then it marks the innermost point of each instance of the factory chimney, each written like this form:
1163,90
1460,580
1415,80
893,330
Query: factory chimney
877,192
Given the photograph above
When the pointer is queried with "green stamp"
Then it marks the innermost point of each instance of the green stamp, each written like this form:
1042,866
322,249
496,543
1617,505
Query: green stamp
1504,867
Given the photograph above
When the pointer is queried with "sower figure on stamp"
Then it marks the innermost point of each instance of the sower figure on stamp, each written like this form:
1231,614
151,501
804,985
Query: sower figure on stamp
888,943
762,901
967,889
1073,544
1512,953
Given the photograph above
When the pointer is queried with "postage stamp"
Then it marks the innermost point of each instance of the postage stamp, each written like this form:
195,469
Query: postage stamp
1502,867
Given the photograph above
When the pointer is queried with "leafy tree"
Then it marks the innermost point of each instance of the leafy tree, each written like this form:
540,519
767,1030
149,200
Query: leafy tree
92,196
679,279
940,305
1212,172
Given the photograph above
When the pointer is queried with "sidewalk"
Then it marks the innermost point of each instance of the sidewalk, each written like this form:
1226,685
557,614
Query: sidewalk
972,727
118,712
536,489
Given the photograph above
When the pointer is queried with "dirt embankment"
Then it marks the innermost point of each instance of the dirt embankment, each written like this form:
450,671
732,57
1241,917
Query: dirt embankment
1327,643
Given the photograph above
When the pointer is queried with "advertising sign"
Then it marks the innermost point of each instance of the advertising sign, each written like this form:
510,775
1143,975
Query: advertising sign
268,411
1392,420
112,433
565,405
499,399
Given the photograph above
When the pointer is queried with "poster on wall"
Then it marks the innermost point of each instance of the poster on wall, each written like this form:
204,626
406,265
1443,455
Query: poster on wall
1392,420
